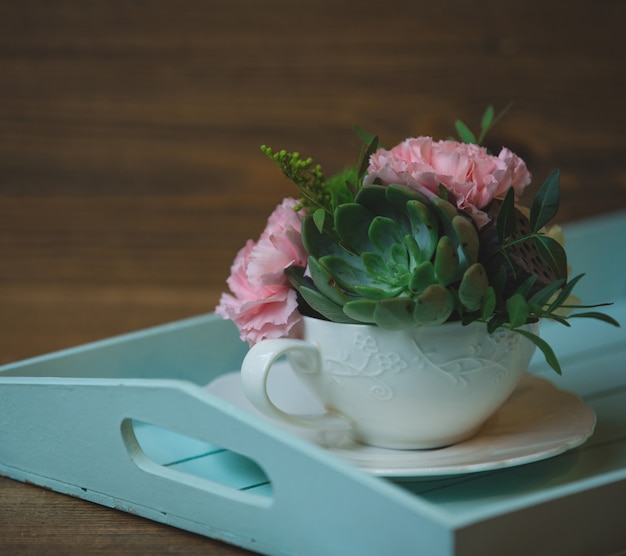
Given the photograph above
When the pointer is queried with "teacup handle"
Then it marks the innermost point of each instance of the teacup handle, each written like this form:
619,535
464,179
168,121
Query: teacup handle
255,371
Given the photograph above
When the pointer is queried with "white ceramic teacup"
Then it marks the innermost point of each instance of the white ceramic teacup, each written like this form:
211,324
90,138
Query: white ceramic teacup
425,387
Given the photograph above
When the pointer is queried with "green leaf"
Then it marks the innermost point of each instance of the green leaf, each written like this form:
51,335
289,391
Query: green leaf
352,221
446,261
296,277
384,233
363,135
413,251
341,187
395,313
318,217
315,242
361,310
486,122
345,274
446,211
527,285
378,293
517,308
324,306
434,305
505,221
374,264
596,315
564,293
552,254
557,318
424,229
469,318
496,322
325,283
400,256
546,202
473,287
464,132
370,143
468,240
548,353
423,276
544,295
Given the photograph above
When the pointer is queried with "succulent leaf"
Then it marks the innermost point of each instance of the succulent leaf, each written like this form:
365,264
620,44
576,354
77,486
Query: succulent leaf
324,306
361,310
351,223
374,293
468,239
446,210
424,228
446,261
433,306
384,233
318,242
473,287
423,275
344,272
395,313
374,263
325,282
394,258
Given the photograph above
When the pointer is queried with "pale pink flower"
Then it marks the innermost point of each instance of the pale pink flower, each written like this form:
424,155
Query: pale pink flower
468,172
262,303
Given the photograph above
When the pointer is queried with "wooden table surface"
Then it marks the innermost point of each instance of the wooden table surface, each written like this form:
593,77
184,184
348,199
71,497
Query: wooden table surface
130,170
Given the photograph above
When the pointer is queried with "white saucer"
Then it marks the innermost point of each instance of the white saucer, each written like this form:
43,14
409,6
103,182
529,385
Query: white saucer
537,422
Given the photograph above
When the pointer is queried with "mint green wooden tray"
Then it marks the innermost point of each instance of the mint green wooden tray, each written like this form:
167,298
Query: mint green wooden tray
127,423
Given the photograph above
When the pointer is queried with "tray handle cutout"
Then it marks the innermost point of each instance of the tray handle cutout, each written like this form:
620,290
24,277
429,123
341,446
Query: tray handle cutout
195,463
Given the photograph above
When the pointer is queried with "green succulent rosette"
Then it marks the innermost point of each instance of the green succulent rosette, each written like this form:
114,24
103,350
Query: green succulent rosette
392,258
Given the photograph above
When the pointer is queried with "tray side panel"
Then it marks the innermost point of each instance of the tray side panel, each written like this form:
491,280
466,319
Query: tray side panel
69,436
196,349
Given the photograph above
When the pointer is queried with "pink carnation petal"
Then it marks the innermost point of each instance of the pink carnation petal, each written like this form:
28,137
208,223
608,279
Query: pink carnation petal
262,303
468,172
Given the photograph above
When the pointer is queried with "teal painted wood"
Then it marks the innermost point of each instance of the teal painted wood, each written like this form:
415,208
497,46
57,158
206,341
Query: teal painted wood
127,423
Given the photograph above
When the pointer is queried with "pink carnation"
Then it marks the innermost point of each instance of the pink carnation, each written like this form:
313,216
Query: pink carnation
262,304
471,175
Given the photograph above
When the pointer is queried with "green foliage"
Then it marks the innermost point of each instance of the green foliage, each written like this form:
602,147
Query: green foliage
321,195
391,257
546,203
544,208
531,301
487,122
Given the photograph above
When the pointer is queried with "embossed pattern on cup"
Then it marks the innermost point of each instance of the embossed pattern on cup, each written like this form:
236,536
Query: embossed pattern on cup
425,387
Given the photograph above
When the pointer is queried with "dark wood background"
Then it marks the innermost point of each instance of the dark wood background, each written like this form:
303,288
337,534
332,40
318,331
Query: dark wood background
130,170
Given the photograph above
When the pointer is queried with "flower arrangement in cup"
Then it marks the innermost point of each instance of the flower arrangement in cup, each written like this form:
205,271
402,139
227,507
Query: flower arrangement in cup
419,235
